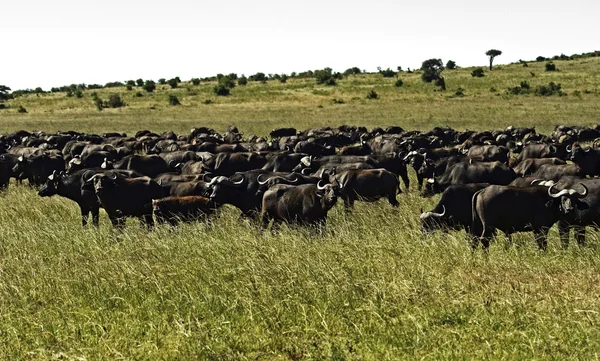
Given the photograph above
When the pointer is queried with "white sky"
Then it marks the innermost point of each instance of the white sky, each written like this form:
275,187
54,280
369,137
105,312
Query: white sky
58,42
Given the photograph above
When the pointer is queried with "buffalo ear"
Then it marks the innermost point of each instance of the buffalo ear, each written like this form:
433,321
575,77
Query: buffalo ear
319,194
582,205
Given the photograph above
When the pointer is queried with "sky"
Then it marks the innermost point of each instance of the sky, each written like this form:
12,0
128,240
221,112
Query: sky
48,43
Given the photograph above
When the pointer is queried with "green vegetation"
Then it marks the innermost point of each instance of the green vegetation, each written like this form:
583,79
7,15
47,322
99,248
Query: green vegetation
372,288
492,53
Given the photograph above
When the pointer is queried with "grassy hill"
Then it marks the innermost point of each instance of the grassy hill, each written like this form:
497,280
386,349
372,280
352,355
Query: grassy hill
372,288
257,108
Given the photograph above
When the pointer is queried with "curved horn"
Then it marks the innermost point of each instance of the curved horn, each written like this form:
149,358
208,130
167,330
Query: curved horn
90,179
557,195
553,149
113,176
585,191
319,186
569,148
305,171
586,149
295,179
241,181
440,214
262,182
533,182
422,151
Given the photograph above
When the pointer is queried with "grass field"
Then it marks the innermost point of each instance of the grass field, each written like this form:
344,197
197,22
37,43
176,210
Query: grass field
371,288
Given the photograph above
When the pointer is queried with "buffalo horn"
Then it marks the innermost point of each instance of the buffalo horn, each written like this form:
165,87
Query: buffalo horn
557,195
112,176
440,214
240,182
569,148
319,186
585,191
262,182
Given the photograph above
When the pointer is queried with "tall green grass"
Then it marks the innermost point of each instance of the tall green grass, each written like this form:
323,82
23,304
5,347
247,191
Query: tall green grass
372,287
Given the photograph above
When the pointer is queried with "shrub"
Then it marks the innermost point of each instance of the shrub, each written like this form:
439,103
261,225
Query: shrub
540,59
94,95
173,83
325,76
139,82
129,87
399,83
460,92
162,81
208,101
139,95
113,84
227,82
94,86
283,78
478,72
221,90
69,94
242,80
78,94
388,73
525,85
173,100
149,86
550,67
261,77
196,81
352,71
549,90
492,89
451,65
114,101
337,101
98,103
21,109
372,94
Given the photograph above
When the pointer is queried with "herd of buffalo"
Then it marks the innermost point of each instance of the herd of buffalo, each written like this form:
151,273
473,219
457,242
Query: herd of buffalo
510,180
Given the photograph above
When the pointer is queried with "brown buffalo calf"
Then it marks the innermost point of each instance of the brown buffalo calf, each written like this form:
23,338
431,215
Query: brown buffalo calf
186,209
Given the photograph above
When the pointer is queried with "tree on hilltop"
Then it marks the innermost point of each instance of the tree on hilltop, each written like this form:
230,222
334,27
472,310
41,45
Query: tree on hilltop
492,53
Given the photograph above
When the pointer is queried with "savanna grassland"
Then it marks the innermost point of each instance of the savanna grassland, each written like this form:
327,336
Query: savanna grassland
372,288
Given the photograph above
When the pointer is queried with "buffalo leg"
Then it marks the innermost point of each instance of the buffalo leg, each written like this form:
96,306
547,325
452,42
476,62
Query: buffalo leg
393,201
420,182
84,216
541,237
348,203
147,221
563,231
406,181
580,235
95,216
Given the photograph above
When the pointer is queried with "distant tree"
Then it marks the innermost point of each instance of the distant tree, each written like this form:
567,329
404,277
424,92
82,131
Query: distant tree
492,53
21,109
399,68
149,86
432,68
195,81
173,83
177,78
242,80
451,65
162,81
131,83
261,77
4,93
388,73
540,58
325,76
283,78
352,71
139,82
78,94
399,83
